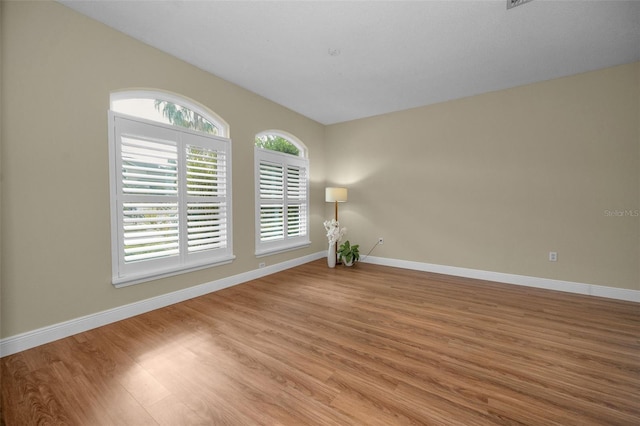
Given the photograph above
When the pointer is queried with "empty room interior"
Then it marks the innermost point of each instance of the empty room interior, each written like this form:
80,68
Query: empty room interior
179,180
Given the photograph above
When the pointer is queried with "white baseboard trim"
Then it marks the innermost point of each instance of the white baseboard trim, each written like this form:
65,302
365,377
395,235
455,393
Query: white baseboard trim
31,339
523,280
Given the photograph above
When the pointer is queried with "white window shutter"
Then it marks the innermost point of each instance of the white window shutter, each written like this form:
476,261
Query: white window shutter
171,202
206,188
281,201
271,201
296,201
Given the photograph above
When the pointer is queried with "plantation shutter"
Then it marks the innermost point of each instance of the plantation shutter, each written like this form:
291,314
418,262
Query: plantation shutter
296,201
206,193
281,201
172,208
150,199
271,201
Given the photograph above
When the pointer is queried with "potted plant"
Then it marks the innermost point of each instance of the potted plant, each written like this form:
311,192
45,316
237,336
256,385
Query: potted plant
349,254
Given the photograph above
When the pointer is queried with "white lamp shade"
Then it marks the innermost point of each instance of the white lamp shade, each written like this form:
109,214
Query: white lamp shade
335,194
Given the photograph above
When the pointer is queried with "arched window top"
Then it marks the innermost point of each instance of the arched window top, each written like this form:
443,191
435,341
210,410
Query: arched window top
165,107
280,141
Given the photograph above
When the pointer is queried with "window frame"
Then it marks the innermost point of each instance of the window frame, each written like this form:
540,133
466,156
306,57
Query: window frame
129,273
261,155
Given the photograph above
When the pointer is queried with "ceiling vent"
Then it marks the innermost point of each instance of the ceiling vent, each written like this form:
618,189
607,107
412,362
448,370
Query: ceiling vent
514,3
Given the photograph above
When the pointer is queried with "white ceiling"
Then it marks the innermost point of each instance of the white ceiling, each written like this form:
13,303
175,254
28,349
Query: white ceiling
391,55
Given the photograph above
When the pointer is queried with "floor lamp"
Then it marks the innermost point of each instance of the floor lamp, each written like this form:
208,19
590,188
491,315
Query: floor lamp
335,195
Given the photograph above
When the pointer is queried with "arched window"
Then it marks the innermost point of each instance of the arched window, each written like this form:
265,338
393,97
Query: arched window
282,188
169,109
278,143
170,175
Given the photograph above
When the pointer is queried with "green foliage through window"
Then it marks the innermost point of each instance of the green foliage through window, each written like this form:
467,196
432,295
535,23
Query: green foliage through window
184,117
277,143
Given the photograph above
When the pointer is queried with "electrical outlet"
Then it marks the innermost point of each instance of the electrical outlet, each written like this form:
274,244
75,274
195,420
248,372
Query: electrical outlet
380,240
553,256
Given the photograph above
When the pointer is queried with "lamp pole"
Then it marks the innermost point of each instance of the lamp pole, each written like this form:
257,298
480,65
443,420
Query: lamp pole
337,195
337,257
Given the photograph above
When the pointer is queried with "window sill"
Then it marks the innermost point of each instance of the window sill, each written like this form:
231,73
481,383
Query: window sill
120,282
281,249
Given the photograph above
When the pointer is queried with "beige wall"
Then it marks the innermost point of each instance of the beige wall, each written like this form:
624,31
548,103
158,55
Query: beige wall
58,70
496,181
491,182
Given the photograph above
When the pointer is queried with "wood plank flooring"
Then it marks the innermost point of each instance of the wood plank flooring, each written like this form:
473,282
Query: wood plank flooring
368,345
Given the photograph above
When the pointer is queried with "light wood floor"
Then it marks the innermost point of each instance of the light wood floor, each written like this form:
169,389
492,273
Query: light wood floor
368,345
